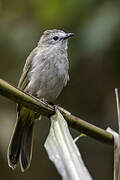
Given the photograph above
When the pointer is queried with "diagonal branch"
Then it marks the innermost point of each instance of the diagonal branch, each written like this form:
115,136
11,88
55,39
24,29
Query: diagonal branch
37,105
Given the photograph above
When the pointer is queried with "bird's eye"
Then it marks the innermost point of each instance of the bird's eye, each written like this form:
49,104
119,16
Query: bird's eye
55,38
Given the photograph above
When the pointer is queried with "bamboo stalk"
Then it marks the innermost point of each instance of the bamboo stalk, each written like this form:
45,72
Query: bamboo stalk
18,96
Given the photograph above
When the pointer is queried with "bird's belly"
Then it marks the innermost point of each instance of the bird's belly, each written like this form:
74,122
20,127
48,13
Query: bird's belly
50,88
47,82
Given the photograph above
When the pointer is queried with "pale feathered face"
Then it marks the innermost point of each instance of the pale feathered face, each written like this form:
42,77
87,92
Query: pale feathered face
55,37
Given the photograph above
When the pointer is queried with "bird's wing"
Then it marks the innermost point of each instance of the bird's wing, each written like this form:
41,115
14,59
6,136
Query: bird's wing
23,82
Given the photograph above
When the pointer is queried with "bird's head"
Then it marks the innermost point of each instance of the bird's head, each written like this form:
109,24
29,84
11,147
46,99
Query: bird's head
57,38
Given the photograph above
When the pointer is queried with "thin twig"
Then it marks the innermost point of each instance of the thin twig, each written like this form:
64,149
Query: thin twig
33,103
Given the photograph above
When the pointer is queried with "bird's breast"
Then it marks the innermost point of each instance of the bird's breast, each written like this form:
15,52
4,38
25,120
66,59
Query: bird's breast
48,76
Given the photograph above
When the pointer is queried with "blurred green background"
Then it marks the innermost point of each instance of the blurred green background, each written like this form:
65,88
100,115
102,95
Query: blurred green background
94,55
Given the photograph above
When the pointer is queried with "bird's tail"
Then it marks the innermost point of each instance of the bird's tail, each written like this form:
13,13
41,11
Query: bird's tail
20,147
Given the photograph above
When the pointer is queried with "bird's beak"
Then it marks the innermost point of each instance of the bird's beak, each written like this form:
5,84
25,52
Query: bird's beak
68,35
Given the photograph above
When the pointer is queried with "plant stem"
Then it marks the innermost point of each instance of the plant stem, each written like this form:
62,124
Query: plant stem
37,105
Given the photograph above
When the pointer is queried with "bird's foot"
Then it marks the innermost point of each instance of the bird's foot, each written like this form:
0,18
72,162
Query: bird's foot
44,100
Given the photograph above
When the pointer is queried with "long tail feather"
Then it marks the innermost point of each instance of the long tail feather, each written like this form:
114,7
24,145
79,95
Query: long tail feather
26,147
20,147
15,144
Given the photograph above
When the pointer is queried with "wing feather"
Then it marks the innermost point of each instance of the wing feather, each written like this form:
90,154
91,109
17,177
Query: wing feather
23,82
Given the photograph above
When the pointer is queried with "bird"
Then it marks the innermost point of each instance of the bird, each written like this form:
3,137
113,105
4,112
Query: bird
44,75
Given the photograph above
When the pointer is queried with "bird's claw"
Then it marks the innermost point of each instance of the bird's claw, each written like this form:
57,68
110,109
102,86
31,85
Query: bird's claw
44,100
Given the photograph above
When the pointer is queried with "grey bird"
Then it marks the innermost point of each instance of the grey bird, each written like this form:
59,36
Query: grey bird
44,75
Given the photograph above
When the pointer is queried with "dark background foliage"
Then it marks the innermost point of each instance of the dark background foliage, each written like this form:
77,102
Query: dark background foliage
94,55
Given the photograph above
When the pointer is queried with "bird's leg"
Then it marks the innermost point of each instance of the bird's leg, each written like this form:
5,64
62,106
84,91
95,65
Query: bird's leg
44,100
